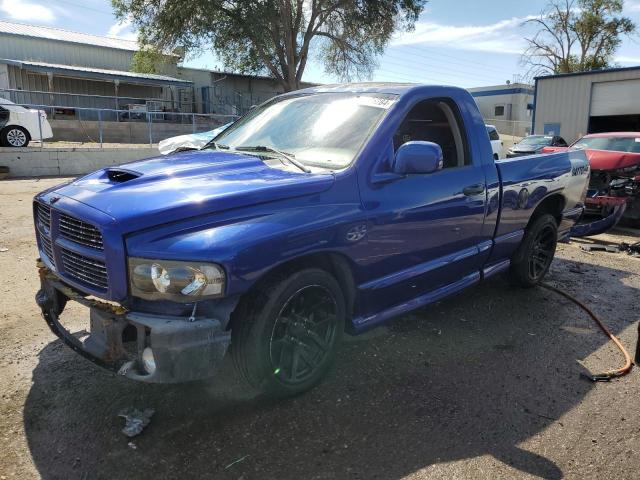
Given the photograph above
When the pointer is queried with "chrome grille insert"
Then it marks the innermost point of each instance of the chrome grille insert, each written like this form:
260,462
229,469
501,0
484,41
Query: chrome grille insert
86,270
80,232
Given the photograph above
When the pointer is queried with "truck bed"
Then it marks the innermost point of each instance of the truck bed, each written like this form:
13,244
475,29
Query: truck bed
527,180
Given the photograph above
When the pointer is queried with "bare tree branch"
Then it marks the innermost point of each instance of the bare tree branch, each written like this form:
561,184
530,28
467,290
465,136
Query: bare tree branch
590,25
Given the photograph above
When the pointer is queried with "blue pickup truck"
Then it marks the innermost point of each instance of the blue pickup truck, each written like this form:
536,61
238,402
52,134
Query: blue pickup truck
325,210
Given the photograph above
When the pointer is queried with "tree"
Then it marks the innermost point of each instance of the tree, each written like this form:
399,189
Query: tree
150,60
575,36
275,37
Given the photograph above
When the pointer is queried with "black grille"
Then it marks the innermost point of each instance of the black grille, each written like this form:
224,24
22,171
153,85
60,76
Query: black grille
43,223
80,232
43,217
46,247
86,270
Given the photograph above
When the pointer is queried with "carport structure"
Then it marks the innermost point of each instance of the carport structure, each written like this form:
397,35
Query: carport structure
575,104
41,83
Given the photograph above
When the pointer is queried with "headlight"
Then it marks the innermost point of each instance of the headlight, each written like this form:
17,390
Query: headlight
177,281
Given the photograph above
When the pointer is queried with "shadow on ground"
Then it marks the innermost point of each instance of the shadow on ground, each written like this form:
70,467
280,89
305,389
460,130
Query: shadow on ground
474,375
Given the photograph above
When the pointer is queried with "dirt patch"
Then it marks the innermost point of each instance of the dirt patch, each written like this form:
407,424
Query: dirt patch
483,385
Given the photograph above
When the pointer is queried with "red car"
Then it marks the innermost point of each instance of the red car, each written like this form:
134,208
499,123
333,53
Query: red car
615,172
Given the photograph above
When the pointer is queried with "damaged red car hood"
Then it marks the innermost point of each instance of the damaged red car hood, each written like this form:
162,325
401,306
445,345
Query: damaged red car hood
603,159
610,160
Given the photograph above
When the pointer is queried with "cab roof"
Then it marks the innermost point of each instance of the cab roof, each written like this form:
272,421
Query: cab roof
373,87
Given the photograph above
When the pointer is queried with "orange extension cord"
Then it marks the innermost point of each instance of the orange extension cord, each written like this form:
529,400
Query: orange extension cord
606,376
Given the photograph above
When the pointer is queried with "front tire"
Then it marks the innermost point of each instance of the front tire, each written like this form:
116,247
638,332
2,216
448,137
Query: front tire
533,257
14,136
284,336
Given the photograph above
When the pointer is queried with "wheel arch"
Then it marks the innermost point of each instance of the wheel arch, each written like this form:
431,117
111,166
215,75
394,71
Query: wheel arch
552,204
334,263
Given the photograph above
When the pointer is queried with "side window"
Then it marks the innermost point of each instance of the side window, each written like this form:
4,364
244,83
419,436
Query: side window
437,121
493,134
4,115
498,111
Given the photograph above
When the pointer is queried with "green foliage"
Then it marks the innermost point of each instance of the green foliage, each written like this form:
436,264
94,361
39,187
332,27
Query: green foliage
148,61
576,36
275,37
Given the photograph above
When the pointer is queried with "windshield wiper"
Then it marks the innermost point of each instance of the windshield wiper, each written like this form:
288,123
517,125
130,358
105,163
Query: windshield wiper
264,148
217,146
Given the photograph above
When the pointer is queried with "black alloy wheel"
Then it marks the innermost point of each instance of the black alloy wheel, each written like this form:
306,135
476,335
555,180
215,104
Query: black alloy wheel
543,249
531,261
302,334
285,333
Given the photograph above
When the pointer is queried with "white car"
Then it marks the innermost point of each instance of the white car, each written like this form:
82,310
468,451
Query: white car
19,125
496,143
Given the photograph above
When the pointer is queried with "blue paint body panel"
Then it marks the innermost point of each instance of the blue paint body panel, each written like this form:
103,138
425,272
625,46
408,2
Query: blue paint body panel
407,240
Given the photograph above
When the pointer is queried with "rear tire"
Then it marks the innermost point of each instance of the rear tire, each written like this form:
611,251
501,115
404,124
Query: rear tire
531,261
285,335
14,136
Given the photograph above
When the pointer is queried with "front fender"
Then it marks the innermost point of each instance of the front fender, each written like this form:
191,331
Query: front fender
247,246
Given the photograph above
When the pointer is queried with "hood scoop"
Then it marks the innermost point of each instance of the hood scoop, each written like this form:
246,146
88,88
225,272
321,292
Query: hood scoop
121,176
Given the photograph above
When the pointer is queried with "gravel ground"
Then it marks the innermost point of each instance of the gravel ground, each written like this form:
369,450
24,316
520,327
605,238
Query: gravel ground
485,385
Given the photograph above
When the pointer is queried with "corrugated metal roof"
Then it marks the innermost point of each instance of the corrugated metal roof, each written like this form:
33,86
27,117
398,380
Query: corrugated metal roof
71,70
589,72
502,91
51,33
504,86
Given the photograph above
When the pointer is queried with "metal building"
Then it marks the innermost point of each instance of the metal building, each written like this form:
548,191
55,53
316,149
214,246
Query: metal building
55,67
509,107
575,104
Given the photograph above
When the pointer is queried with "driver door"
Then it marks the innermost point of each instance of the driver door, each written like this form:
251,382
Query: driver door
425,229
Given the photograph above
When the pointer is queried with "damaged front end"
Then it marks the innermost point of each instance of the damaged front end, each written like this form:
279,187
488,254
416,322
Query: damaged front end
141,346
612,195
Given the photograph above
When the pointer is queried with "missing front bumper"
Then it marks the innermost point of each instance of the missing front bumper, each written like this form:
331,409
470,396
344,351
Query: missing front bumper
183,350
601,225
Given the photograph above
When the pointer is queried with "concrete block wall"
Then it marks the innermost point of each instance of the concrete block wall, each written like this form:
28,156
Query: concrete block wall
125,132
37,162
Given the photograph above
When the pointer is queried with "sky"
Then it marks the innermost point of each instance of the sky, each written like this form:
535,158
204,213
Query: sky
466,43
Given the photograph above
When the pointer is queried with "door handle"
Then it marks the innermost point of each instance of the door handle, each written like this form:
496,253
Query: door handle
472,190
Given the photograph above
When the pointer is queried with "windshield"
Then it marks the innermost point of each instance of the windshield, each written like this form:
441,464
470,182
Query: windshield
617,144
537,140
324,129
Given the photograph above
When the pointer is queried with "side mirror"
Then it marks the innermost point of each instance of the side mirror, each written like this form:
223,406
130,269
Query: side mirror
418,157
